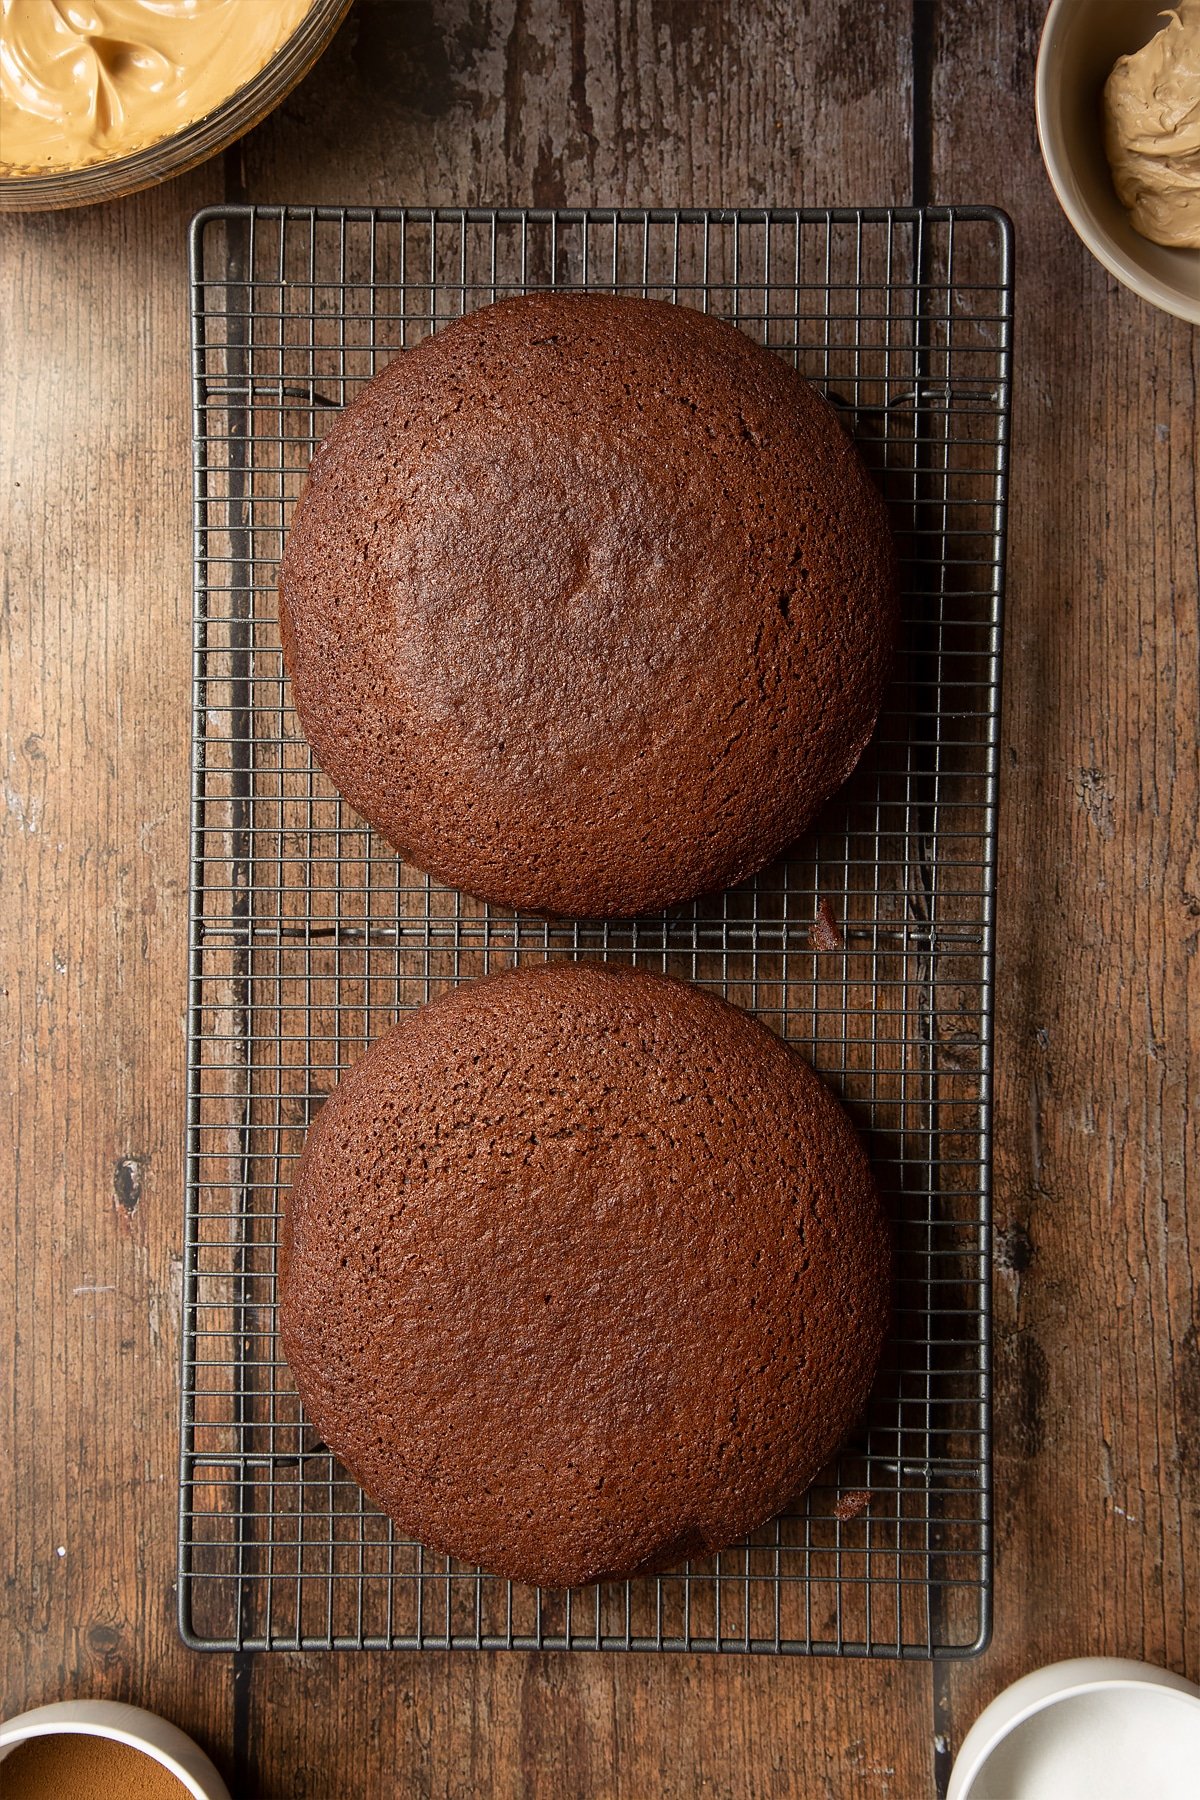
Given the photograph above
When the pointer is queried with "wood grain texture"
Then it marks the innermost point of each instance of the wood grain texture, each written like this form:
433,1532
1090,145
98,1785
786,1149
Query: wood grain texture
1098,1390
552,102
1097,1244
94,668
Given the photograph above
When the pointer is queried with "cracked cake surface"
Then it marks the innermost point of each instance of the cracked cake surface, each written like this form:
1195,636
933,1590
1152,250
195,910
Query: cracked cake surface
584,1272
588,604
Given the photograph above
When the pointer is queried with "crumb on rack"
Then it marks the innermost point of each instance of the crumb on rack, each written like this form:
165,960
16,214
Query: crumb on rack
851,1504
824,932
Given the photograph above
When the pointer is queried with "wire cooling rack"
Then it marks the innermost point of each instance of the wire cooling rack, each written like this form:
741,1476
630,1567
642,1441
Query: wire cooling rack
870,945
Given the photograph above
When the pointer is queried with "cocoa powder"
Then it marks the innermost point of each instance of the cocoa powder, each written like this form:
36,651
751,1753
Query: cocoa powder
85,1768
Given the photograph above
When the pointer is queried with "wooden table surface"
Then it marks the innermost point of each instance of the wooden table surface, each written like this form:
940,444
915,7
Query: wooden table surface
1097,1256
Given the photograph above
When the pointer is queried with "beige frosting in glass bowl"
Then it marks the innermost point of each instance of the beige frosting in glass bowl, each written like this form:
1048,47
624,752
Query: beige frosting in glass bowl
87,81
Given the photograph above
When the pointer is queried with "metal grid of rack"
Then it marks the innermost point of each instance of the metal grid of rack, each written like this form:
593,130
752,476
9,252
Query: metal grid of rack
870,945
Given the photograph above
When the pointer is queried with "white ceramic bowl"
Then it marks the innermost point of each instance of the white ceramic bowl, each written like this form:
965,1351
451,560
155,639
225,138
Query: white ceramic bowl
145,1731
1081,40
1094,1728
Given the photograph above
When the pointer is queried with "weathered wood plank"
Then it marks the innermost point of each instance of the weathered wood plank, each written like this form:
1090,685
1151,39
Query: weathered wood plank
1097,1239
94,671
643,102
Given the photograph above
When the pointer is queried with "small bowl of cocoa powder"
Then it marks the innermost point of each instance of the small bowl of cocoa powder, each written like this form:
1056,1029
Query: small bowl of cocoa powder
102,1750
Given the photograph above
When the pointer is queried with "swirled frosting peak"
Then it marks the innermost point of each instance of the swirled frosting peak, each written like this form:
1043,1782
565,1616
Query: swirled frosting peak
85,81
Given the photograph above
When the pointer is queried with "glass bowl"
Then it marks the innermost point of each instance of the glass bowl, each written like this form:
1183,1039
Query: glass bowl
244,108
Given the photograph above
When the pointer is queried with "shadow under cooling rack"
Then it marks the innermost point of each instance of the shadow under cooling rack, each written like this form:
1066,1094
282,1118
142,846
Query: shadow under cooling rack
869,945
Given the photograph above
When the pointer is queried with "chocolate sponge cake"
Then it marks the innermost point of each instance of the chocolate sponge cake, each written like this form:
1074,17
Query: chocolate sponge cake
584,1272
588,604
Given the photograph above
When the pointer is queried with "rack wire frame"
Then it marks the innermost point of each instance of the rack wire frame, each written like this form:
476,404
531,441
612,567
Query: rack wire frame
870,944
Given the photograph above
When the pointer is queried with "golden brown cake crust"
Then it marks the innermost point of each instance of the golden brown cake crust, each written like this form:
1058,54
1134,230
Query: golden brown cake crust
584,1272
588,604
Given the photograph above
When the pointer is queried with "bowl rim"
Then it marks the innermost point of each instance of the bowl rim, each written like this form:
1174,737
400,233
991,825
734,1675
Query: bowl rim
1047,1687
1128,272
160,1739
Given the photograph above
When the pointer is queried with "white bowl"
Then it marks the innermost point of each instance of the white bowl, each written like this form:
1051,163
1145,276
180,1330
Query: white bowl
145,1731
1081,40
1094,1728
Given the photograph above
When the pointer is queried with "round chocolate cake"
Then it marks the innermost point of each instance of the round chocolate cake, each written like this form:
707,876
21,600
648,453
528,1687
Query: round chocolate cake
584,1273
588,604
